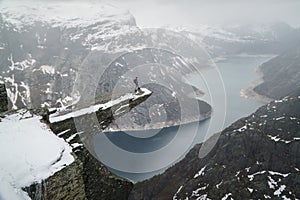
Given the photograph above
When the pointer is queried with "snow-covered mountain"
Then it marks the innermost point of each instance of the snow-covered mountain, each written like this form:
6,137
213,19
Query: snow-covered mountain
46,47
272,38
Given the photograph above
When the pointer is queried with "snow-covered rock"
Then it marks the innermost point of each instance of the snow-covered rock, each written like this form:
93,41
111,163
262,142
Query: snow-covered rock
129,97
30,153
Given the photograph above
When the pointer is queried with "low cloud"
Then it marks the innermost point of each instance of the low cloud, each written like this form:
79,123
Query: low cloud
157,13
194,12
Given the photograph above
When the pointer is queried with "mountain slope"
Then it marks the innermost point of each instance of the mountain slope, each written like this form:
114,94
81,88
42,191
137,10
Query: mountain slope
256,157
46,47
281,75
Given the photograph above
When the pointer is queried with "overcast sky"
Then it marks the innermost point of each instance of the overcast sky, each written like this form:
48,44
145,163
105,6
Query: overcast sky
155,13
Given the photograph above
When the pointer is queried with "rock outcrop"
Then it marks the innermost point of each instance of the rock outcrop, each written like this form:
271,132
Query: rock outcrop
256,157
3,98
86,177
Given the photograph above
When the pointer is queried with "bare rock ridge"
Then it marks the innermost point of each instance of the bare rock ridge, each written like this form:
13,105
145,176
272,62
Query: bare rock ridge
257,157
86,177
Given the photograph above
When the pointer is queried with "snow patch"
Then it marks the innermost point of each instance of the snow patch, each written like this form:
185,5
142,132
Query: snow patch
279,118
218,185
63,132
276,139
175,195
73,136
35,153
226,196
243,128
272,183
251,177
75,145
280,190
279,174
200,173
94,108
46,69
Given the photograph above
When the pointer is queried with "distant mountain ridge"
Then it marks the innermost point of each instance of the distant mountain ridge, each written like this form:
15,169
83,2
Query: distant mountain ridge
273,38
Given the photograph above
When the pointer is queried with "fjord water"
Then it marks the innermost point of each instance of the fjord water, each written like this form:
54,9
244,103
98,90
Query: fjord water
237,73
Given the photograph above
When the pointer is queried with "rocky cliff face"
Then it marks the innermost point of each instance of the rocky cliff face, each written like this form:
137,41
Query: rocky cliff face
86,177
256,157
3,99
281,75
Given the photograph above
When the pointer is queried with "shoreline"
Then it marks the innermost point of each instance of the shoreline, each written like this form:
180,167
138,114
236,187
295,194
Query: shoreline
249,93
160,125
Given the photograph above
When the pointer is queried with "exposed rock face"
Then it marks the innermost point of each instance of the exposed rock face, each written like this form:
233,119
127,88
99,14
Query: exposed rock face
256,157
86,178
3,99
65,184
281,75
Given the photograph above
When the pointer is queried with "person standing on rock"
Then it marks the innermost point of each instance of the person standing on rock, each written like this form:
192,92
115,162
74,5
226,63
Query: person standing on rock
136,82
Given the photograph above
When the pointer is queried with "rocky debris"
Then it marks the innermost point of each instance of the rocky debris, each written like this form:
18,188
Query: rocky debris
256,157
3,99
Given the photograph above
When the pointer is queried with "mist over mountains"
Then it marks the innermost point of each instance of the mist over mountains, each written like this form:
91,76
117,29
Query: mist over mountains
56,57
